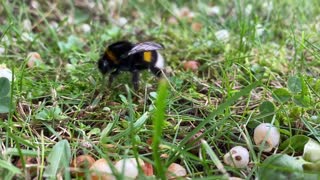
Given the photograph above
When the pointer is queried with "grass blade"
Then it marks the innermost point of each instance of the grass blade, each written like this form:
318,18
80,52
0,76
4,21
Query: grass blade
220,109
158,123
214,158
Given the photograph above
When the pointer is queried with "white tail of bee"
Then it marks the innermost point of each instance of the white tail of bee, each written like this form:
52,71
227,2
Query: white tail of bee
160,61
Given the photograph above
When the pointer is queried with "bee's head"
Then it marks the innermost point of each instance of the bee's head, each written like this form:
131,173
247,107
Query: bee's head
111,57
104,65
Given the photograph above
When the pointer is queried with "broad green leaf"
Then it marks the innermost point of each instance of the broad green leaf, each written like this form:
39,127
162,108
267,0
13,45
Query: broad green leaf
4,87
267,108
295,84
4,104
57,113
73,44
123,99
311,151
302,100
294,144
52,113
256,68
177,81
94,131
58,159
281,167
112,33
281,95
43,115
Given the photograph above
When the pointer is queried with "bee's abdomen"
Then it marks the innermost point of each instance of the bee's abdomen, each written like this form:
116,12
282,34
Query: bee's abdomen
154,58
159,62
148,56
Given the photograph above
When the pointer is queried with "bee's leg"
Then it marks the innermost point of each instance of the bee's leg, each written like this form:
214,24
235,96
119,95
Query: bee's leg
156,71
112,76
135,79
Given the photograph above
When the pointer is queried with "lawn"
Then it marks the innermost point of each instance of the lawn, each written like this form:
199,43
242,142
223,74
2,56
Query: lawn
239,96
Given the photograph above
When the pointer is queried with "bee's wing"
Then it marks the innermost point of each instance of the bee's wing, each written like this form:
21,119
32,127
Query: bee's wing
145,46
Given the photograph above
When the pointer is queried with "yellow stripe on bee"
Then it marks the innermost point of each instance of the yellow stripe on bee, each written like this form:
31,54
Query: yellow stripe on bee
147,56
112,56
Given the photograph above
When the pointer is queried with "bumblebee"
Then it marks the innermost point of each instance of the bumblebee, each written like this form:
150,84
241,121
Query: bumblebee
126,56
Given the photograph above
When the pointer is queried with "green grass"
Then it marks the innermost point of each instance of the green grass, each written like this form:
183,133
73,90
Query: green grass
218,106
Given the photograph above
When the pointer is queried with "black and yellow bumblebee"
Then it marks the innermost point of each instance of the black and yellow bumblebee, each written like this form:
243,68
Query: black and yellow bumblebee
126,56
